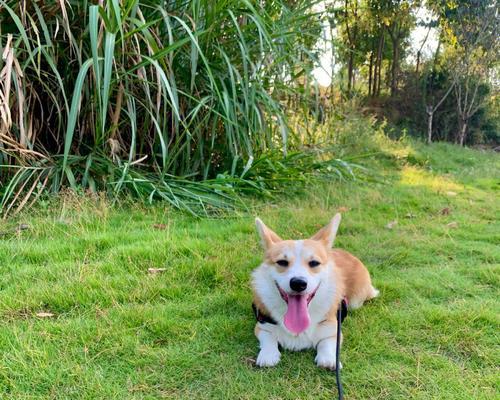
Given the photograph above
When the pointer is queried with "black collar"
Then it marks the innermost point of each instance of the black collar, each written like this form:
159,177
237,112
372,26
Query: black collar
261,317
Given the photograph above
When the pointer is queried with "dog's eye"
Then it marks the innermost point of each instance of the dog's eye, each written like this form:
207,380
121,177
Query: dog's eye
282,263
314,263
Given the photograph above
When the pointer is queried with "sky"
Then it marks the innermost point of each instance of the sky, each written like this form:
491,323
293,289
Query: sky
322,72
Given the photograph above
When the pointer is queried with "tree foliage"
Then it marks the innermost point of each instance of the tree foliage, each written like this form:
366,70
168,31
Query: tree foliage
458,80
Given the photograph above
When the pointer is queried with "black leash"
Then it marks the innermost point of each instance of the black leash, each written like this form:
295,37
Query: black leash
340,317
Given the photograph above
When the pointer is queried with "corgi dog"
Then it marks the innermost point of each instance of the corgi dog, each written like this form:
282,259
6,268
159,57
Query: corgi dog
298,289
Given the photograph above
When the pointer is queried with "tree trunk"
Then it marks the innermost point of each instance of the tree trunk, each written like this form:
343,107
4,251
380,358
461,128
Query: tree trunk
388,75
378,65
379,78
349,72
430,115
419,52
370,70
394,69
332,66
418,64
353,78
462,132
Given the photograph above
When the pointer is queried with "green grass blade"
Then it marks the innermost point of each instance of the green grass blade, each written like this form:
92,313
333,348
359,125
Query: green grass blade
108,67
75,106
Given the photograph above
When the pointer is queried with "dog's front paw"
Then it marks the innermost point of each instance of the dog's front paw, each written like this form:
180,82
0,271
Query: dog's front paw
268,358
326,361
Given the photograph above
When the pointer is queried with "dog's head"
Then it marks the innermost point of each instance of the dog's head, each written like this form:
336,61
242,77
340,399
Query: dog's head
298,268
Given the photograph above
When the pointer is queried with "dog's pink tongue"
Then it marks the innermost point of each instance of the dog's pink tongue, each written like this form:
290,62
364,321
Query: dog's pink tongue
297,316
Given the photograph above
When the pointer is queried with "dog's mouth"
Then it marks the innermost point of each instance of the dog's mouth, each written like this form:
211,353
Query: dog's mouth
285,296
297,318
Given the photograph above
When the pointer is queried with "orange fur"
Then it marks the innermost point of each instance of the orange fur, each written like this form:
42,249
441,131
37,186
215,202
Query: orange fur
357,281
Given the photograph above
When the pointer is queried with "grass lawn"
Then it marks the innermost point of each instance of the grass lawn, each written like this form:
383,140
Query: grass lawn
114,331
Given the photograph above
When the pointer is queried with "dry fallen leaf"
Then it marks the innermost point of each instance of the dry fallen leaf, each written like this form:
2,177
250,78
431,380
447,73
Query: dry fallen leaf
343,209
249,360
160,226
44,314
451,193
445,211
156,270
452,225
391,224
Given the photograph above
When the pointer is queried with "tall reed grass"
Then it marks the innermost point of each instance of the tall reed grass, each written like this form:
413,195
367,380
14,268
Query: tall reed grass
175,100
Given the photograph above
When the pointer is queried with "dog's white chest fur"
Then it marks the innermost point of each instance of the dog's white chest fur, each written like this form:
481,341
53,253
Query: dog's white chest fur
306,340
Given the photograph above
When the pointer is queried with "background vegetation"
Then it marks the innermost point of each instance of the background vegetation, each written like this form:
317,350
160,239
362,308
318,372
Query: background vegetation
196,102
449,94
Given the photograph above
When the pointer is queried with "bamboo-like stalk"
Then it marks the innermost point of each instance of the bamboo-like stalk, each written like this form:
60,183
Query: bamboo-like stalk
204,94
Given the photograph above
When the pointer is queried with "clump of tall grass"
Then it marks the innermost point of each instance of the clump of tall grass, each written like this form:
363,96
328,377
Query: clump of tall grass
175,100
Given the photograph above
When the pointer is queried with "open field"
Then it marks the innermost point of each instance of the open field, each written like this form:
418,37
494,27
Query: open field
114,331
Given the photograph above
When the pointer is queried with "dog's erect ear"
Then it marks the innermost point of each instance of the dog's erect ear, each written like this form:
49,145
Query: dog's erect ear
267,236
327,234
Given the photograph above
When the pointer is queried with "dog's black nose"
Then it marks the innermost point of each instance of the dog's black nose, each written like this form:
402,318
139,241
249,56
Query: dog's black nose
298,284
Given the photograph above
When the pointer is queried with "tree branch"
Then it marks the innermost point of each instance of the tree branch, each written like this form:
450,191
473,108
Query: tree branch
444,97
